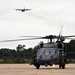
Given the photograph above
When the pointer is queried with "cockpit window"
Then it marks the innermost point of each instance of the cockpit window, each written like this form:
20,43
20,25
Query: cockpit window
46,52
40,51
53,51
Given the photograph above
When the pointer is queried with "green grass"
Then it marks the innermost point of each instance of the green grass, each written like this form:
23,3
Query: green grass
71,60
19,60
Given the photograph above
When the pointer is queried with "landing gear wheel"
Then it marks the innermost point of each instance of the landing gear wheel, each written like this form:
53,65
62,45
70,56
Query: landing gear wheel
60,66
63,66
37,67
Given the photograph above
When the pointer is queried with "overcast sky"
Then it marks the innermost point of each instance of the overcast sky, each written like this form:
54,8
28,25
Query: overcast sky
45,18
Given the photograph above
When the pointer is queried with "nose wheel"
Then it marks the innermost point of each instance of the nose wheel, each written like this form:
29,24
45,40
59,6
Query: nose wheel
62,66
37,66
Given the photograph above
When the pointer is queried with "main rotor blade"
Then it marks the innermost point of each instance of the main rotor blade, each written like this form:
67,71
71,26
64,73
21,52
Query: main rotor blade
69,36
60,30
46,37
19,39
38,37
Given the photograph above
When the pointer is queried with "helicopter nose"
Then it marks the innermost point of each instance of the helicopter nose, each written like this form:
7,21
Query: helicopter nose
52,56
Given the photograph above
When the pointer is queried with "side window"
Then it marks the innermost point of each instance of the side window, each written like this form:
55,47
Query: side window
41,51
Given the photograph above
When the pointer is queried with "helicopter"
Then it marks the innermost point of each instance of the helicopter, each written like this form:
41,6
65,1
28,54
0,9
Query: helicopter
50,53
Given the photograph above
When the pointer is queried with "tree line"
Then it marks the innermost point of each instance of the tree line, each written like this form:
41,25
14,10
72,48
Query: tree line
20,54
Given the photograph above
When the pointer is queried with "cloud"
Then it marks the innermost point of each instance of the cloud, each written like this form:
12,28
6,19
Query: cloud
45,18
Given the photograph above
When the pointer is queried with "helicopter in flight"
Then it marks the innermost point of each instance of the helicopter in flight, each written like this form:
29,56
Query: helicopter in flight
50,53
23,10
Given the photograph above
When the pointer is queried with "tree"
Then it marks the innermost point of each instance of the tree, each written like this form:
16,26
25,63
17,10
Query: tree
20,49
71,49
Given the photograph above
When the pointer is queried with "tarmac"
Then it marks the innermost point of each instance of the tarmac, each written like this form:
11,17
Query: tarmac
26,69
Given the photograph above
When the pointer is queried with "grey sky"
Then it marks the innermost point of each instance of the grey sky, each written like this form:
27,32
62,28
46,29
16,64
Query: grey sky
45,18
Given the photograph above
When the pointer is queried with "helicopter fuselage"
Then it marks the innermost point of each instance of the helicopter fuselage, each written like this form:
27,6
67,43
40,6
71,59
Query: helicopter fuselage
50,54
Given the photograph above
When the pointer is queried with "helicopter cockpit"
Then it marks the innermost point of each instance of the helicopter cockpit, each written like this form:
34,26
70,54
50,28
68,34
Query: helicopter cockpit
47,52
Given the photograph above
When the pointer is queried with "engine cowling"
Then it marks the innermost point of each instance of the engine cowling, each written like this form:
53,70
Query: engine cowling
60,45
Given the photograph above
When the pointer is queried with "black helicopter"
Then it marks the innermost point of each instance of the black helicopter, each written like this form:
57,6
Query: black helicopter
49,53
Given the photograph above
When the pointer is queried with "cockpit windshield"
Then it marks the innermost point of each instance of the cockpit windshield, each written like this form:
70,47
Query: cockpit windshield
47,51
